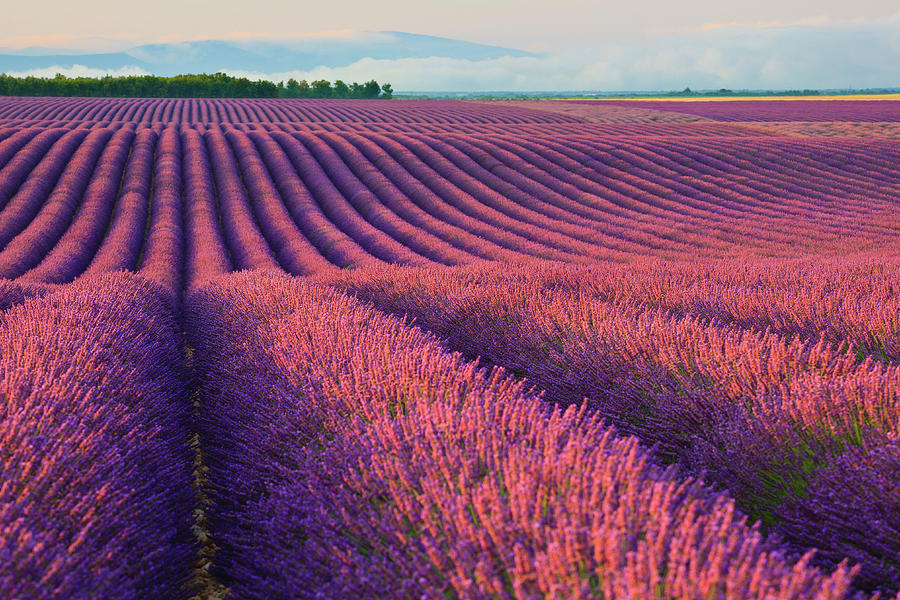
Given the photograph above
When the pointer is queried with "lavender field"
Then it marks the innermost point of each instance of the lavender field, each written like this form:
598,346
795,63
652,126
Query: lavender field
273,348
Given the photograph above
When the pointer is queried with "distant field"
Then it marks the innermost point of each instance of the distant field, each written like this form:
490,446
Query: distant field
756,98
777,110
277,348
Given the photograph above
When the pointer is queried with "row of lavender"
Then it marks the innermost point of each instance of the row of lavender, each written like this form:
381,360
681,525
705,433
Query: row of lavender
350,456
95,468
393,469
530,129
238,110
342,454
190,205
876,110
774,380
215,110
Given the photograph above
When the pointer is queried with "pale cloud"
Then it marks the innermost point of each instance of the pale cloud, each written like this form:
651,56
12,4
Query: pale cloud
79,71
710,26
342,34
120,42
814,21
83,43
858,55
331,34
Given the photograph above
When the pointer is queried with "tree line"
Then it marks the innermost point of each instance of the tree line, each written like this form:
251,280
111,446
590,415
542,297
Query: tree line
202,85
688,92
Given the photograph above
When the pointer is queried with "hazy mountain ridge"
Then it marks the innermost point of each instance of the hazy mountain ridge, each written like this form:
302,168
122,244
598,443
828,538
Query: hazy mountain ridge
733,56
303,53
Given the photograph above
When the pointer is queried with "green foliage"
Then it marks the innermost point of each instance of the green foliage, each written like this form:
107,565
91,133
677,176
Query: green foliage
340,89
321,88
203,85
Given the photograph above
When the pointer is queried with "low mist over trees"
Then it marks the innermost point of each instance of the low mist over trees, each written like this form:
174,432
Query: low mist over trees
203,85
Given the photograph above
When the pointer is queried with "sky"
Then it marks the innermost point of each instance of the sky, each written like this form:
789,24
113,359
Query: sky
583,44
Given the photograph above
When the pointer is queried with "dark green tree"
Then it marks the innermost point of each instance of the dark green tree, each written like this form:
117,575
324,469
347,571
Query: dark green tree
321,88
340,89
203,85
371,89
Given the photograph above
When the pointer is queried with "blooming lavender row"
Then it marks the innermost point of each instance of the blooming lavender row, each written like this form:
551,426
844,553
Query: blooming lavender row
674,205
619,130
646,218
424,189
86,167
508,205
784,192
13,140
206,255
21,153
307,203
124,239
765,415
556,192
163,252
13,293
350,456
35,224
528,129
521,203
852,300
843,129
339,210
330,241
560,176
235,110
29,178
432,171
246,243
451,244
671,179
370,207
69,255
96,499
773,110
664,160
294,252
6,132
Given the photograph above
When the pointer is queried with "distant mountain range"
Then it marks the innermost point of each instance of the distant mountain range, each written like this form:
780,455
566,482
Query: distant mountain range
255,56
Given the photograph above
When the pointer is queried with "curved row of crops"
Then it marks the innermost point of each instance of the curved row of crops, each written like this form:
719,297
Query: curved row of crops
361,458
99,200
705,316
773,110
775,381
240,110
527,129
96,498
